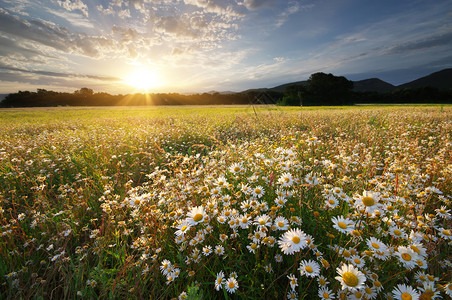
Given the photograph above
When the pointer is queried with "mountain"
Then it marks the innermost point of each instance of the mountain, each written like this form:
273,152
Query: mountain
282,87
372,85
441,80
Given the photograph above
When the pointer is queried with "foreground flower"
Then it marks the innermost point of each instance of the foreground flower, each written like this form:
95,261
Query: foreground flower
407,257
231,285
326,293
405,292
350,278
343,225
309,268
219,281
369,201
196,215
292,241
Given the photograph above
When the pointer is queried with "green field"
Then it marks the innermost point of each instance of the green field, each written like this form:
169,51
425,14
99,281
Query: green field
236,202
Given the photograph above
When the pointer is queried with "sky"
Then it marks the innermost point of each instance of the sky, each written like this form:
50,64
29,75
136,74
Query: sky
195,46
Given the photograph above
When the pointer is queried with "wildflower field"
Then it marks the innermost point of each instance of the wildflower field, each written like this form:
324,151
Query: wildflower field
232,202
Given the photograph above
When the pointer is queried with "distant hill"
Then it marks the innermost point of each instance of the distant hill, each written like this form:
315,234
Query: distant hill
282,87
441,80
2,96
372,85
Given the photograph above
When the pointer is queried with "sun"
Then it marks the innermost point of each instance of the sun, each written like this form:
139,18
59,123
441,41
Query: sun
142,79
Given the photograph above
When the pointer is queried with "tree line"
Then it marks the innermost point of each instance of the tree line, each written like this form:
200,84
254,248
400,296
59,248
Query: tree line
319,89
87,97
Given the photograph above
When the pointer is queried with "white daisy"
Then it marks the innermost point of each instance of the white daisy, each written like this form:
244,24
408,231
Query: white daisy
350,278
343,225
292,241
407,257
219,281
404,292
196,215
325,293
231,285
309,268
281,223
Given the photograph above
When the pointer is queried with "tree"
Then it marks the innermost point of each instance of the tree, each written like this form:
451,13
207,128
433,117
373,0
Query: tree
327,89
293,95
84,92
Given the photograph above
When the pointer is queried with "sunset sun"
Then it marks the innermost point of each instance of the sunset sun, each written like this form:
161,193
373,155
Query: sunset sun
142,79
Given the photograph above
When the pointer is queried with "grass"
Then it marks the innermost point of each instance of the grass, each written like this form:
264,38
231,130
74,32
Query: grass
159,202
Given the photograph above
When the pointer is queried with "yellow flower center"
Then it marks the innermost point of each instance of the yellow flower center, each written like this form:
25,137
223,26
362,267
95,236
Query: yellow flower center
197,217
331,201
358,295
406,256
295,239
346,253
356,233
350,279
397,232
342,225
415,249
257,191
308,269
368,290
377,283
446,232
419,263
406,296
375,245
281,224
244,220
368,201
261,222
253,246
231,285
357,261
326,296
322,281
183,228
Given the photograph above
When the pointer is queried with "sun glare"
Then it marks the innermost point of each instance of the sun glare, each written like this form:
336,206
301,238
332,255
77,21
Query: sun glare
142,79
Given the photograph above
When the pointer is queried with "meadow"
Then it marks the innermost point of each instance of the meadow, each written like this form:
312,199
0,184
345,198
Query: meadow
221,202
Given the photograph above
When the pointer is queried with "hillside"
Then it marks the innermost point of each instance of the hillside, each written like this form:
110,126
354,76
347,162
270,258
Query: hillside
441,80
372,85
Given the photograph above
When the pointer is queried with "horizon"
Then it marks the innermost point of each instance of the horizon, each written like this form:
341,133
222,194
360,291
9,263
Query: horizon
194,46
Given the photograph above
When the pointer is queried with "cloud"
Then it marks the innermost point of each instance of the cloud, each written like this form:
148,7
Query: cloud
291,9
12,49
59,38
73,18
76,5
13,79
256,4
422,44
217,7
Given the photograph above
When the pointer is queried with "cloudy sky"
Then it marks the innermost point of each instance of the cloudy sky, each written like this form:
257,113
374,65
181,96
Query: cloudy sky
227,45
